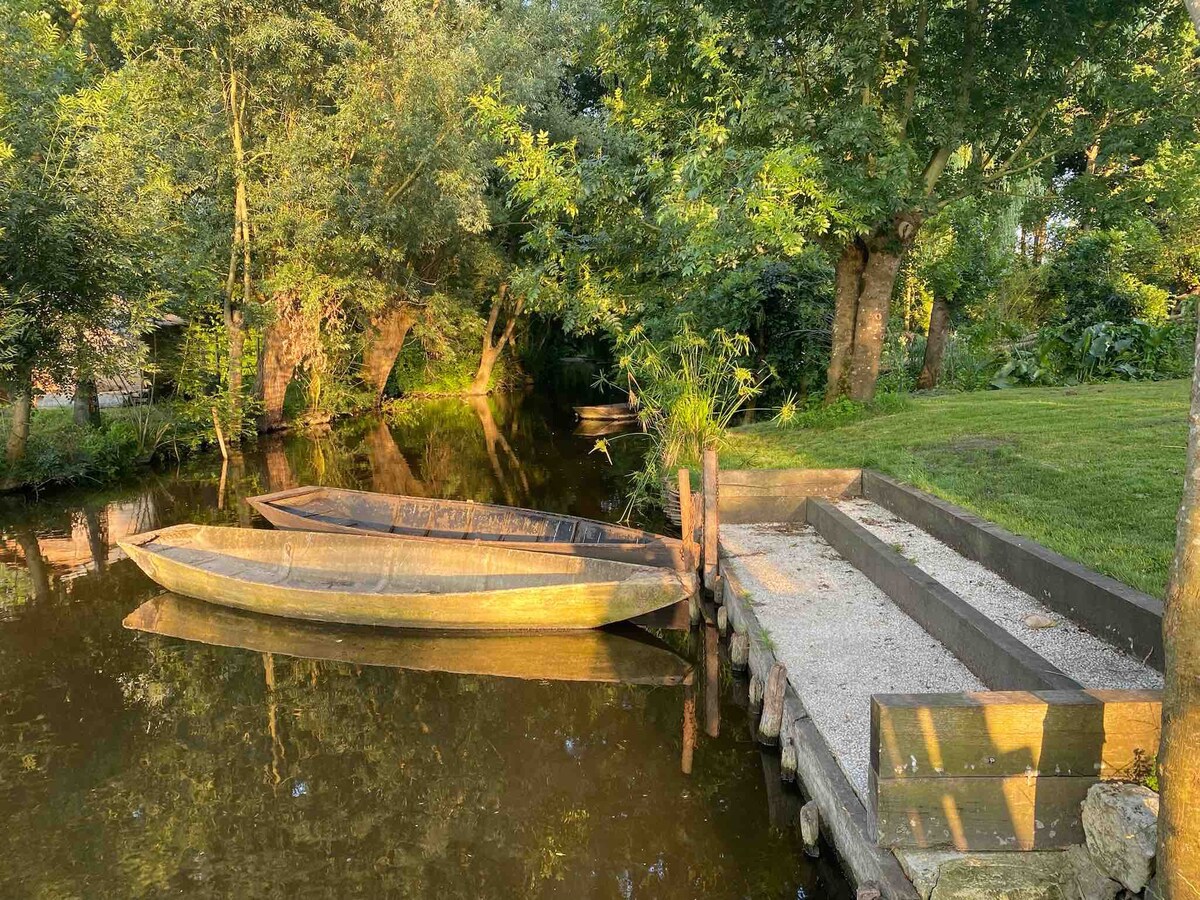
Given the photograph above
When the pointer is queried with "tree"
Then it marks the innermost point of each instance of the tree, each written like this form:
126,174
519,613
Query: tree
1179,776
80,217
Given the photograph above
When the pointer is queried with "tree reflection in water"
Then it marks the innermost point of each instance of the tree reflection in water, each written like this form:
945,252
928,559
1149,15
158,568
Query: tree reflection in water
133,765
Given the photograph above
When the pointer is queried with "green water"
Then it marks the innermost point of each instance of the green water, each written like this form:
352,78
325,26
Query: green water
136,765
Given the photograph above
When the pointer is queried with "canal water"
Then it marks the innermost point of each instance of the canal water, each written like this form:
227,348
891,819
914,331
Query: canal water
271,762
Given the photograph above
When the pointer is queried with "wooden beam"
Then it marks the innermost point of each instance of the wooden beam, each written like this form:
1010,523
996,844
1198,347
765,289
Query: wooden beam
998,659
1105,734
712,537
687,519
1115,612
980,814
1005,770
779,495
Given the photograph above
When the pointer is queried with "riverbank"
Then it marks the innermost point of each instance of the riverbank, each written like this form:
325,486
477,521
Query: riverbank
1094,472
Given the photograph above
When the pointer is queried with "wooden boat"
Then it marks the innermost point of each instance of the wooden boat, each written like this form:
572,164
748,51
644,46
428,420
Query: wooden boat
362,512
604,427
370,580
611,412
618,653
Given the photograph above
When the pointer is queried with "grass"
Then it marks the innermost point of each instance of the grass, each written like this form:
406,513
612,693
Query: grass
1094,472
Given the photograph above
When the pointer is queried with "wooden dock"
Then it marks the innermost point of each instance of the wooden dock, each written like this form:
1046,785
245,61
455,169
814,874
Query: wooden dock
999,769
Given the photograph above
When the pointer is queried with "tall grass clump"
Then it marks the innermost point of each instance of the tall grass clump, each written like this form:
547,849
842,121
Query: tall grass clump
687,391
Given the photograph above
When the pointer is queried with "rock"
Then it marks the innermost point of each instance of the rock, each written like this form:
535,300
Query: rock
1035,875
922,867
1036,620
1088,882
1038,875
1120,822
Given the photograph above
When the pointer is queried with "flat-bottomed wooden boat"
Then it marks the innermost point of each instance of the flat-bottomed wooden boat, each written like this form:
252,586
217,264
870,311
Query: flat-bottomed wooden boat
610,412
345,511
370,580
620,653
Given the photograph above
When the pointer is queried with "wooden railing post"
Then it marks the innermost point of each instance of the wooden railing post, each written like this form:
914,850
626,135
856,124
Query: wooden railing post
712,539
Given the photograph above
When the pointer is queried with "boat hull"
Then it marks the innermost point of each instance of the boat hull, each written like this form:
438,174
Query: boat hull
354,579
608,412
292,511
618,654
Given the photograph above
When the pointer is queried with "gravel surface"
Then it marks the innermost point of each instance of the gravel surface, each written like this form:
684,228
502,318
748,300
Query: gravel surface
840,637
1090,661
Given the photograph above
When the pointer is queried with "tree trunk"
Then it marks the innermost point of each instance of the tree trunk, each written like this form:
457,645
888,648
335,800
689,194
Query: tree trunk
1178,764
864,294
276,367
848,283
935,345
870,322
18,435
86,404
1193,8
234,314
385,340
491,351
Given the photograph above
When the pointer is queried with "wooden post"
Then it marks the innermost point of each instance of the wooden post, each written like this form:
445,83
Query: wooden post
787,760
694,611
220,434
687,519
689,727
772,709
739,651
712,683
712,540
810,827
755,698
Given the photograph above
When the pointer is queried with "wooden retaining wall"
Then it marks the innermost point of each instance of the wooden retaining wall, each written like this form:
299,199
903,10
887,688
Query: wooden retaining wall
1104,606
843,816
779,495
1001,770
997,658
1004,770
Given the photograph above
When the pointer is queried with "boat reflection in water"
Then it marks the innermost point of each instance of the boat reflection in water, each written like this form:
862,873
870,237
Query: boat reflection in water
622,654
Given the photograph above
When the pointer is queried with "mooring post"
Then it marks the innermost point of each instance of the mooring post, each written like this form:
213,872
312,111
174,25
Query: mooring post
739,651
772,707
687,519
810,827
712,540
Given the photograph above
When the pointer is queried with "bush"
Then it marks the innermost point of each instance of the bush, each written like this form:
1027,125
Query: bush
1067,354
1099,276
61,452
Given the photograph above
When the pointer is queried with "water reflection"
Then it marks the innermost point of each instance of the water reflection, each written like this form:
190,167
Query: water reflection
135,765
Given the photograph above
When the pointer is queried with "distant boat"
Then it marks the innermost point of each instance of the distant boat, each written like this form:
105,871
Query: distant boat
622,654
398,582
393,515
609,412
604,427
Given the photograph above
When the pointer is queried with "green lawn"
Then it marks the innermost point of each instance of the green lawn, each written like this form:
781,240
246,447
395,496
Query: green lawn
1094,472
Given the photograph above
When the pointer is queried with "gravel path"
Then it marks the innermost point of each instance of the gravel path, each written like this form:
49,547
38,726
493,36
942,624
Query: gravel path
1090,661
840,637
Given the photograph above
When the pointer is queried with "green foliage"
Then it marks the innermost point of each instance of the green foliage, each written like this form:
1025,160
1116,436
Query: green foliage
1065,354
61,452
687,391
1097,277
